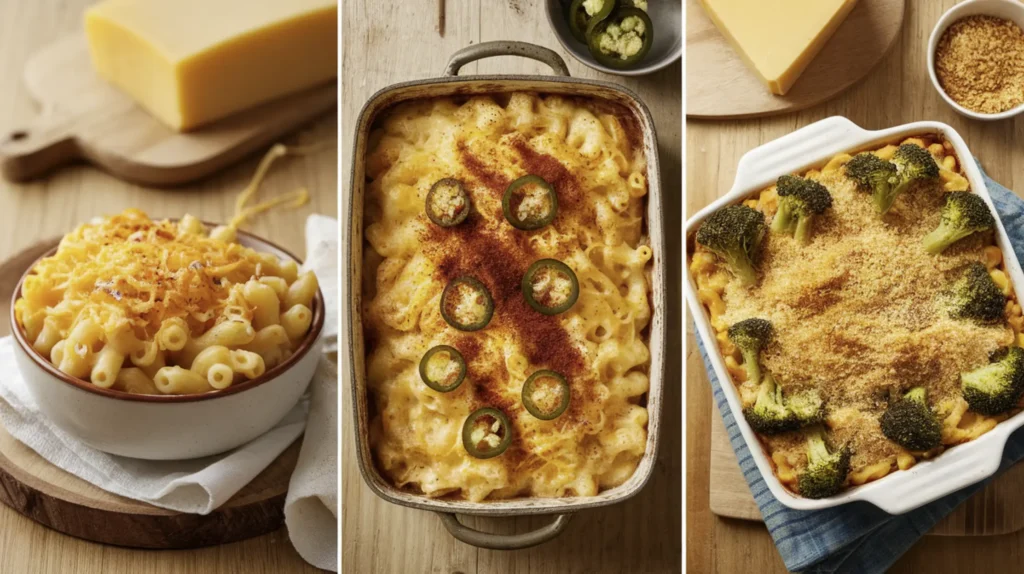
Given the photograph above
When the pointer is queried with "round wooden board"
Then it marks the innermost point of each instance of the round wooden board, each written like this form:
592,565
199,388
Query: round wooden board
719,84
68,504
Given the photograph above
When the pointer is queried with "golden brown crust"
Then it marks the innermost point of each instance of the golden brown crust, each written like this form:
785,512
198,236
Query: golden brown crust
855,315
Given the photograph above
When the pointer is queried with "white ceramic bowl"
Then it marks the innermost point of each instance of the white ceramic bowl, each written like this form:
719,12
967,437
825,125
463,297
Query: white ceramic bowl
667,46
171,427
810,147
1007,9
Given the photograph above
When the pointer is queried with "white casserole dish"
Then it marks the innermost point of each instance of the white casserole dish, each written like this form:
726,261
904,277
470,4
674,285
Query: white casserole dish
806,148
361,414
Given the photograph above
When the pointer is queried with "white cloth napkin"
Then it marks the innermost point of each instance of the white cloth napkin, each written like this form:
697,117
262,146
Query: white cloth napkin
199,486
311,508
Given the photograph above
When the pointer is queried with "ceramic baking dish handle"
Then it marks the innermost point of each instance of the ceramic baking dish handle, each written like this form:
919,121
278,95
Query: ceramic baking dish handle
946,476
503,541
789,153
505,48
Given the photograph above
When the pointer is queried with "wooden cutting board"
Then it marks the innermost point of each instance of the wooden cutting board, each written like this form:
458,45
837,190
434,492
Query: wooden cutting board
82,118
997,509
68,504
719,84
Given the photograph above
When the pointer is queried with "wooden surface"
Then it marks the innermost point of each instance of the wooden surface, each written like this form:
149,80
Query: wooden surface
85,118
49,207
720,85
64,502
639,535
896,92
998,509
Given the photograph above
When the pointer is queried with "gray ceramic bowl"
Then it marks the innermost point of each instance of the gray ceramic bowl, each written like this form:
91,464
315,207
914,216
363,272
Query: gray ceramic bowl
668,37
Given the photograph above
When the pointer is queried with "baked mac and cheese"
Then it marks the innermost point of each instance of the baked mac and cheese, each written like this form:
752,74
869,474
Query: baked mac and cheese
163,307
506,296
871,312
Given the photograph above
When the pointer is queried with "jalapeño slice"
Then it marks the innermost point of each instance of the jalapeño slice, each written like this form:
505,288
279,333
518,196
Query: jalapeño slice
442,368
486,433
530,203
550,287
622,39
580,17
447,202
546,395
466,304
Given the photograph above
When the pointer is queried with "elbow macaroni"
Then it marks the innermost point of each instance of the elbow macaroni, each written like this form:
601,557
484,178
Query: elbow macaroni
958,424
486,143
157,307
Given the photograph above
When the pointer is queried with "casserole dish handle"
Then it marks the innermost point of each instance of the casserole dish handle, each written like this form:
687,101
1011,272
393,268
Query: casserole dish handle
505,48
503,541
789,153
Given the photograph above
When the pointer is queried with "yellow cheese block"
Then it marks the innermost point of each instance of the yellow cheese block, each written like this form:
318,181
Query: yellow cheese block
191,62
778,38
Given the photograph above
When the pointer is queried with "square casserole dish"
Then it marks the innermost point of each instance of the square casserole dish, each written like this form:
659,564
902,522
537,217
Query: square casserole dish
810,147
452,85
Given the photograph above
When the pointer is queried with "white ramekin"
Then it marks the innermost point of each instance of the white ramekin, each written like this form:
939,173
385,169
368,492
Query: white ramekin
1007,9
810,147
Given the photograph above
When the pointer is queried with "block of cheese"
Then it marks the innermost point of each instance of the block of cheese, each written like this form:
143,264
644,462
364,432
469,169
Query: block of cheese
778,38
191,62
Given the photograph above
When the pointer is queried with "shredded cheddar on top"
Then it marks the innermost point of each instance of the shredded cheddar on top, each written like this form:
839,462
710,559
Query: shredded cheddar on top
130,271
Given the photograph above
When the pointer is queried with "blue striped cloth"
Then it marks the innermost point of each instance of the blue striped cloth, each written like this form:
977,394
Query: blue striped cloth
859,537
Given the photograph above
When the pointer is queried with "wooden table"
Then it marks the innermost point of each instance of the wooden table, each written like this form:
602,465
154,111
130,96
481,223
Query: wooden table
50,207
897,92
385,43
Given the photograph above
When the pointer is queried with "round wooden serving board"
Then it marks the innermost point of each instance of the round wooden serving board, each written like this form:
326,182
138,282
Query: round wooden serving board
997,509
68,504
82,117
719,84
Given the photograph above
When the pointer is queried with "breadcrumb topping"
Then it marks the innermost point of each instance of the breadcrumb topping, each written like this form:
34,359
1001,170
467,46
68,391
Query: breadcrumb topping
979,61
856,313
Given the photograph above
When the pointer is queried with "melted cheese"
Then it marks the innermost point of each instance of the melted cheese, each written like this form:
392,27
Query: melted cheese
469,305
441,368
535,203
551,288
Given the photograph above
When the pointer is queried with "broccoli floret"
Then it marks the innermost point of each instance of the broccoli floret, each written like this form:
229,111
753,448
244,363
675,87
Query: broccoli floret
799,201
826,469
750,336
964,213
734,233
975,296
807,407
769,414
913,162
996,387
909,422
876,175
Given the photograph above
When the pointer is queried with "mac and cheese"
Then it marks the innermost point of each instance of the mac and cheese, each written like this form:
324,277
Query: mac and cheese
551,180
855,316
162,307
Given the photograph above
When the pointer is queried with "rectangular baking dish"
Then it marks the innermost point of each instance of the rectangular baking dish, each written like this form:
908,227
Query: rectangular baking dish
450,85
810,147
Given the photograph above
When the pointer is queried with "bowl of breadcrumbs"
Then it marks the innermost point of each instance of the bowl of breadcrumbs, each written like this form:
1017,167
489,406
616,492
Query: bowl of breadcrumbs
976,58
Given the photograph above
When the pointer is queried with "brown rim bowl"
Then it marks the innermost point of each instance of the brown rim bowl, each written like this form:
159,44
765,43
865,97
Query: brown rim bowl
244,238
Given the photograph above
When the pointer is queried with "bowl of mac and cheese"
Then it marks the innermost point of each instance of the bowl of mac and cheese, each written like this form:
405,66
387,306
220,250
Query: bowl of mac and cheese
507,311
872,357
166,339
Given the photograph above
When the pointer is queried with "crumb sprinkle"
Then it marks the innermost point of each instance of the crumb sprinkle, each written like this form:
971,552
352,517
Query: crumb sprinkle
979,61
